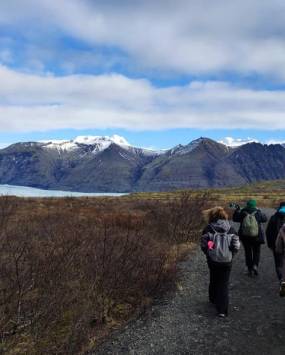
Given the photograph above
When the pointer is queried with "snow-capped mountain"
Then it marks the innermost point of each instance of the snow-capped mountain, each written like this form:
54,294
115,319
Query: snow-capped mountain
186,149
100,143
111,164
95,145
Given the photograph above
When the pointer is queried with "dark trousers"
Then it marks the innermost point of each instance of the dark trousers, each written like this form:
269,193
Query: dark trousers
279,261
219,285
252,253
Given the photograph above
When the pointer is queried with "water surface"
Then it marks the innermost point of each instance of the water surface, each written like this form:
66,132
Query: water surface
23,191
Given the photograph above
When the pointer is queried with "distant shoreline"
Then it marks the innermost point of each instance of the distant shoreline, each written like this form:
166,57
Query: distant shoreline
24,191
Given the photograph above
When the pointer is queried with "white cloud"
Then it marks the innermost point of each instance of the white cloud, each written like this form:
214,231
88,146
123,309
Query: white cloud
186,36
274,141
40,103
236,142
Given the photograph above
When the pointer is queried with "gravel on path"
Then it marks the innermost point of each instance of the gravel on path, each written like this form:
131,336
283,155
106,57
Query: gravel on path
185,323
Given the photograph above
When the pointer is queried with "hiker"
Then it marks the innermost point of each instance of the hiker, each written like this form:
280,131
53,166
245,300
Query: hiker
275,223
219,242
251,234
280,251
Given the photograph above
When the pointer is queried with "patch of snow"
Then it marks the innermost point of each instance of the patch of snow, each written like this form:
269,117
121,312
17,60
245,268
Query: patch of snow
100,146
124,156
151,151
185,149
61,146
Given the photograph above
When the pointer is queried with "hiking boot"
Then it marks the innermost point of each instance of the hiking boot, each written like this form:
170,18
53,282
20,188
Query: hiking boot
255,270
248,272
222,315
282,289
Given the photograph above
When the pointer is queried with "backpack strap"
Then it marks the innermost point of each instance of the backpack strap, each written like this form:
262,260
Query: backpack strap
251,214
216,232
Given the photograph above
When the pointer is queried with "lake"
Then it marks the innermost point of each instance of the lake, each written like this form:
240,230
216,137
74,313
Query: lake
23,191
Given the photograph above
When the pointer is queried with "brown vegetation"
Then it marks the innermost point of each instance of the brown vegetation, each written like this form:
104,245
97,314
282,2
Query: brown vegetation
71,269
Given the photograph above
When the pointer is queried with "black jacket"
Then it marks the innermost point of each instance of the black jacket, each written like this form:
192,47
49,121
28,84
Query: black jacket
275,223
239,216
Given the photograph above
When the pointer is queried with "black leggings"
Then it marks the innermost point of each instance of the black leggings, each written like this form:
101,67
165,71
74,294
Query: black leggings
279,265
219,285
252,253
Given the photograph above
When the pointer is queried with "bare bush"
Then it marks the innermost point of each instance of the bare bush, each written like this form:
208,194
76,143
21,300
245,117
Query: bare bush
179,220
69,269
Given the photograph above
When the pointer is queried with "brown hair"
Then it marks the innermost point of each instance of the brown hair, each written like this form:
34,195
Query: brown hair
216,213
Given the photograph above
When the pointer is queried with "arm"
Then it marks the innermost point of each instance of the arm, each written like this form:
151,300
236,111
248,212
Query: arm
232,231
235,244
270,231
205,238
263,217
279,247
204,243
237,216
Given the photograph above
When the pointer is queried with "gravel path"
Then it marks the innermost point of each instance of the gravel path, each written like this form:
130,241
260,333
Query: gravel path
184,322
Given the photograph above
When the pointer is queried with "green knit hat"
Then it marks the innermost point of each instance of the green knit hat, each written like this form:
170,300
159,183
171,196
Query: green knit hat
251,204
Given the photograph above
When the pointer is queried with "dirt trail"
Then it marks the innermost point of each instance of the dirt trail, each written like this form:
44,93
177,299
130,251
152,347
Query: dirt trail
184,322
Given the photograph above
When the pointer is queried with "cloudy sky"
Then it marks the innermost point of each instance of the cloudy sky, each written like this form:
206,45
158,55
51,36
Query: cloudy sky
157,72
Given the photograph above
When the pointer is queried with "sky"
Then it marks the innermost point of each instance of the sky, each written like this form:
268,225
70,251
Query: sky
158,72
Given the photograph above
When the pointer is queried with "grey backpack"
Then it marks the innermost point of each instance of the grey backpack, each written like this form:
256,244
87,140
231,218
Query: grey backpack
220,251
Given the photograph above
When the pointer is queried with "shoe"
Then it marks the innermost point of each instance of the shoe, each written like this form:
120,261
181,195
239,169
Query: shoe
221,315
282,289
248,272
255,270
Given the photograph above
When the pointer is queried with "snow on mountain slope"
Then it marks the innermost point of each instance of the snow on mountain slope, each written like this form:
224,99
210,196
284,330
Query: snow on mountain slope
98,144
185,149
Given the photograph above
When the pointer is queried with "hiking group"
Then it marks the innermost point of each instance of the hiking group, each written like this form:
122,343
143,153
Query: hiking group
220,242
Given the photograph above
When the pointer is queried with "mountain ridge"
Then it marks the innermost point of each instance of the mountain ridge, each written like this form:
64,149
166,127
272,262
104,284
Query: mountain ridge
111,164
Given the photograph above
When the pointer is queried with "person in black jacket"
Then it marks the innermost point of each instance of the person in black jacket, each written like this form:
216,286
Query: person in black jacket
219,271
275,223
251,244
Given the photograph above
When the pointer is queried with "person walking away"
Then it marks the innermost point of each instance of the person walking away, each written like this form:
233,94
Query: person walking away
280,250
275,223
219,242
251,233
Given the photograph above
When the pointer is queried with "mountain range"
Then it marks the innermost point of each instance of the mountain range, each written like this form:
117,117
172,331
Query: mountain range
110,164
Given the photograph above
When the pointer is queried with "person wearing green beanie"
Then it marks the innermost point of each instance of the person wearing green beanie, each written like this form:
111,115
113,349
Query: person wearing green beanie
251,204
251,233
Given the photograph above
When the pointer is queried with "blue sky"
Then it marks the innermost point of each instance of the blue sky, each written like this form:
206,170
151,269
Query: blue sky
158,73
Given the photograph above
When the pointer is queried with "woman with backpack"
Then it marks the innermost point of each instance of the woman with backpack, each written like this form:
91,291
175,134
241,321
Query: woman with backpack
219,242
251,234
